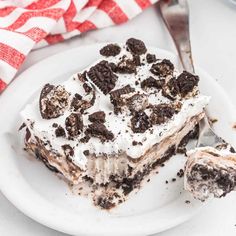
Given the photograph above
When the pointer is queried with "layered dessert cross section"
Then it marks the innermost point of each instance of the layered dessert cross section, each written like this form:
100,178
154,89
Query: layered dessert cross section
111,124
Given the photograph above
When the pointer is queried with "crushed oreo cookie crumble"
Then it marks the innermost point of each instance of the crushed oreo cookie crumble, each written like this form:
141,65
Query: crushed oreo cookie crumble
116,97
138,102
74,124
53,101
79,104
171,89
186,82
136,46
60,132
99,130
126,66
98,116
110,50
151,82
140,122
161,113
163,68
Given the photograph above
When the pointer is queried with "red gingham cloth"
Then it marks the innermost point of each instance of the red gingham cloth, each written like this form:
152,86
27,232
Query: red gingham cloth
28,24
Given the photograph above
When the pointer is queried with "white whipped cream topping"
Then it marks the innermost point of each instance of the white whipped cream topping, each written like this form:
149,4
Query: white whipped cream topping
118,124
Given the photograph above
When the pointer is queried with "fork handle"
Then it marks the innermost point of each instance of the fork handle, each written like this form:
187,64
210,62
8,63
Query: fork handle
178,26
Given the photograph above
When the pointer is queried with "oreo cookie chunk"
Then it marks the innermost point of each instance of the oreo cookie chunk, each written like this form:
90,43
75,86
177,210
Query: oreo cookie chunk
98,116
163,68
138,102
87,87
82,77
161,113
110,50
140,122
102,76
182,86
74,124
99,130
136,46
186,82
80,104
126,66
53,101
117,97
152,83
171,89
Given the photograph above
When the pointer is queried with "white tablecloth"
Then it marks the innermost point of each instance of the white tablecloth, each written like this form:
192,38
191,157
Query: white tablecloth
213,33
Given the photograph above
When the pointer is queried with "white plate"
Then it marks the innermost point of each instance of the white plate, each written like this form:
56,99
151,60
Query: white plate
45,198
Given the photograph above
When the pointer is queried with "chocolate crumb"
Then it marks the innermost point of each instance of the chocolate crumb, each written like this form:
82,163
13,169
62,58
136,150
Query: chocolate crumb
180,173
173,179
167,182
110,50
136,60
135,143
22,126
213,120
68,150
83,77
86,152
54,125
136,46
151,58
85,139
105,203
87,87
232,149
27,134
98,116
60,132
187,201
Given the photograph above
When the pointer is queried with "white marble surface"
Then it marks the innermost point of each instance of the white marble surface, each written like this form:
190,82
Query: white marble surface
213,34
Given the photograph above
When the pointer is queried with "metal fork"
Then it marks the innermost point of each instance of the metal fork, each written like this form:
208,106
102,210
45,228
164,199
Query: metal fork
175,14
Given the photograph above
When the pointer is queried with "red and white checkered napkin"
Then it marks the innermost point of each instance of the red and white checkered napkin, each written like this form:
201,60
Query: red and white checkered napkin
26,24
